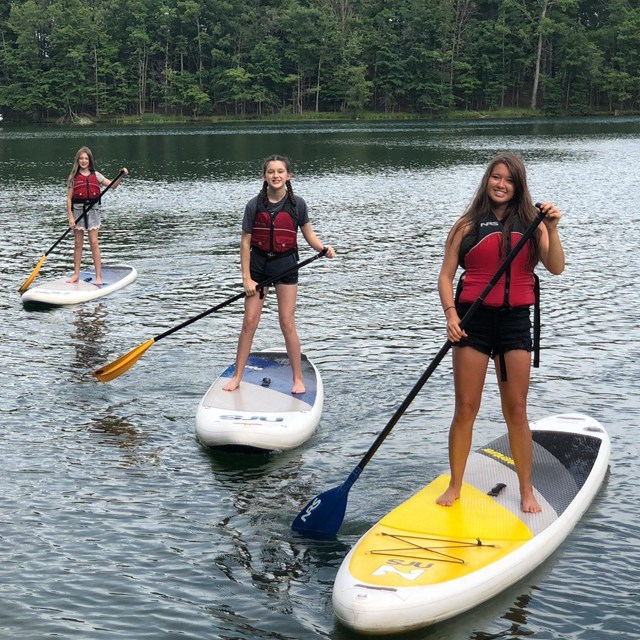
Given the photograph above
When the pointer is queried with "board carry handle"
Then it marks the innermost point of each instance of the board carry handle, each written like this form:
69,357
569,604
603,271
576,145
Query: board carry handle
497,489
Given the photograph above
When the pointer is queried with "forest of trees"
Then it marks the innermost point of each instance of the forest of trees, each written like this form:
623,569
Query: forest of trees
63,58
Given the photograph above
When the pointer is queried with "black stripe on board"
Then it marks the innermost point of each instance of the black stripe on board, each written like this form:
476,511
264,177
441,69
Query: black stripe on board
561,463
577,452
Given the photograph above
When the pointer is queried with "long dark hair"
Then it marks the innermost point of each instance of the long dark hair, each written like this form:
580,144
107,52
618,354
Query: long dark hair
520,209
263,191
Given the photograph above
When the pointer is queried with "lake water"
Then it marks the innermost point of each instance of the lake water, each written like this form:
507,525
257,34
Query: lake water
115,523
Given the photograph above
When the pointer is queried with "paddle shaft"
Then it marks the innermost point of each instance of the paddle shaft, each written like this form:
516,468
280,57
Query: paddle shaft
85,210
260,285
448,344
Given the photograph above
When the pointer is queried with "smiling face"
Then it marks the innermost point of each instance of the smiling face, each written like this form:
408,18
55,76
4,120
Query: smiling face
83,161
276,174
500,186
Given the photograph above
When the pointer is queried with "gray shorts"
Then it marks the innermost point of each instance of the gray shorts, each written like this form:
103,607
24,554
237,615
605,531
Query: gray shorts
91,220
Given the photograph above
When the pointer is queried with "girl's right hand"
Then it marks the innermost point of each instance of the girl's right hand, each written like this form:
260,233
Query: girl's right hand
250,287
454,332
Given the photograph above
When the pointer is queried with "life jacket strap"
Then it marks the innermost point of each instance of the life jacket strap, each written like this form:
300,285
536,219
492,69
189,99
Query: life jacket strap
536,323
274,255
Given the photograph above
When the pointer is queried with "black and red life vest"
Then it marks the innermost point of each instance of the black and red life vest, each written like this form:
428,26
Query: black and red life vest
480,256
86,187
516,288
275,232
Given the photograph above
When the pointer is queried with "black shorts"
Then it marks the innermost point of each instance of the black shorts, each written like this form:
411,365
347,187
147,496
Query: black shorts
495,331
265,268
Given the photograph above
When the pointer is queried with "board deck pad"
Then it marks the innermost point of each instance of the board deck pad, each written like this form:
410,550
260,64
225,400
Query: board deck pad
479,517
263,375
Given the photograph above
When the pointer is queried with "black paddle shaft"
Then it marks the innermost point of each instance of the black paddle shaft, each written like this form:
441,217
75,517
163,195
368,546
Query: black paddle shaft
260,285
448,344
85,210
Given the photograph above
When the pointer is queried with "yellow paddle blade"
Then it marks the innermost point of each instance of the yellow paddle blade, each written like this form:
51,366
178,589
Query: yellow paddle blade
32,277
122,364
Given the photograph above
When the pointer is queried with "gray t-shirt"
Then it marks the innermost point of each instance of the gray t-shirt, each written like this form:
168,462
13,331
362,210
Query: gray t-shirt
251,210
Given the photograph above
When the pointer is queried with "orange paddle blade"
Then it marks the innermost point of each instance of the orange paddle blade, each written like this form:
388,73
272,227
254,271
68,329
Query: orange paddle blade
32,277
122,364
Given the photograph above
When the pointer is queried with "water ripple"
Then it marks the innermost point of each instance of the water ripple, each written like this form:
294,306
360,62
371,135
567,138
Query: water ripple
115,523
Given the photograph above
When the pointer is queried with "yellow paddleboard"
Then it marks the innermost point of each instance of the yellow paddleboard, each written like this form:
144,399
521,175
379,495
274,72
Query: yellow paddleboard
422,563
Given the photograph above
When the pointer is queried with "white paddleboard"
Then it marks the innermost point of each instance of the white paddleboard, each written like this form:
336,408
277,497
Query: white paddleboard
422,563
262,413
61,292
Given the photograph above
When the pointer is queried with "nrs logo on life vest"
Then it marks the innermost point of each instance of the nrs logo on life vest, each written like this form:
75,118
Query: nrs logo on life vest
255,418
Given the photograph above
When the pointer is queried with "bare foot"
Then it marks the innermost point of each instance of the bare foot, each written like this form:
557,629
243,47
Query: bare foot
73,278
529,504
98,284
298,387
448,497
232,385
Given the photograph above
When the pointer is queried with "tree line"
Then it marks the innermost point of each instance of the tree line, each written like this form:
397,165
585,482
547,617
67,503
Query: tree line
60,59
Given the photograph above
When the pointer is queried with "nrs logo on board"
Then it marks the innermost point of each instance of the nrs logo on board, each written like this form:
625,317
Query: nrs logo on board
411,574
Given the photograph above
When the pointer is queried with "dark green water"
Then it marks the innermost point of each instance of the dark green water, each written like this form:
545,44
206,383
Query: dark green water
114,523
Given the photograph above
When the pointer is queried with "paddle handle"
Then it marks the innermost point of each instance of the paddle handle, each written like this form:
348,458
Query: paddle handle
85,210
448,344
260,285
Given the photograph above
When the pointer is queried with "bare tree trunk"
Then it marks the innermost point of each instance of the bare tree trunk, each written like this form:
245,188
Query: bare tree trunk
166,75
143,63
200,64
95,62
343,10
463,11
318,86
536,76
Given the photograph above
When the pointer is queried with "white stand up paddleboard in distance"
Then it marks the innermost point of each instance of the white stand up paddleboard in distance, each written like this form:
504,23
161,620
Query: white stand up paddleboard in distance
422,563
60,292
262,413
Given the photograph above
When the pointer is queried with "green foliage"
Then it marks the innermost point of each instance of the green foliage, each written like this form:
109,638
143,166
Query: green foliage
68,59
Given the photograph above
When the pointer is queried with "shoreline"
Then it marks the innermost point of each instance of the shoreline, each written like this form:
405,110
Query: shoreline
367,116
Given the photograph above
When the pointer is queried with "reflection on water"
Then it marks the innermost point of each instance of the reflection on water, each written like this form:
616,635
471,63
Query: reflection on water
88,337
517,615
113,513
114,431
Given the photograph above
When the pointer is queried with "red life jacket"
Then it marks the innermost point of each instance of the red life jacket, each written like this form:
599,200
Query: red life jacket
516,288
275,232
86,187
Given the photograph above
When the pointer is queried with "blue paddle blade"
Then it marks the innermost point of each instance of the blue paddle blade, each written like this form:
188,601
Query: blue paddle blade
323,516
